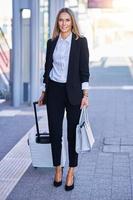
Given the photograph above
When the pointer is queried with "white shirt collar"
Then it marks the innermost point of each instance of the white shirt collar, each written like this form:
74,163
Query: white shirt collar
68,39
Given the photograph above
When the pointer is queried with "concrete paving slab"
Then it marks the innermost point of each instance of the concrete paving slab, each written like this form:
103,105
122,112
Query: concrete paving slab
121,158
127,141
111,148
111,141
121,171
121,188
125,148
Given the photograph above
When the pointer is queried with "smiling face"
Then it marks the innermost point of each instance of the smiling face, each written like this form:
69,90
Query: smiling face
65,23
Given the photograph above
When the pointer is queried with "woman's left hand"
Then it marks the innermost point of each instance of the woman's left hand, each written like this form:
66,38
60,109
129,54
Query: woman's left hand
84,102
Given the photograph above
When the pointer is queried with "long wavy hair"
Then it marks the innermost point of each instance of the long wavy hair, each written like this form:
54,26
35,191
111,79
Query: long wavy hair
75,28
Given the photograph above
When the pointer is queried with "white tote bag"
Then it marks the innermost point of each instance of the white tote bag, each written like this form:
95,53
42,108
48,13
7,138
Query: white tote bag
84,135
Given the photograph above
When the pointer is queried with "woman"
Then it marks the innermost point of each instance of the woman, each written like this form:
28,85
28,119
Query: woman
66,88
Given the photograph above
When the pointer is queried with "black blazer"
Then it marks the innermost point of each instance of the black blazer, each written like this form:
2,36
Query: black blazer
78,67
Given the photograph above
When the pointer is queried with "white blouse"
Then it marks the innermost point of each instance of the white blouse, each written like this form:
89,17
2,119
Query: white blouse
61,54
60,60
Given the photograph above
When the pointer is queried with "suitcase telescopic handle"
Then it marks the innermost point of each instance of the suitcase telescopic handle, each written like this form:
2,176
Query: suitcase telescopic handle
36,119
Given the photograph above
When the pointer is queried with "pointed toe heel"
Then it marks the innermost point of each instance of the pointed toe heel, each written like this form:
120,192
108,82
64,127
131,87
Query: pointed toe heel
69,187
57,184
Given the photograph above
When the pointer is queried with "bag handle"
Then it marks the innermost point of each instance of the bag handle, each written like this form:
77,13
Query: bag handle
83,114
36,119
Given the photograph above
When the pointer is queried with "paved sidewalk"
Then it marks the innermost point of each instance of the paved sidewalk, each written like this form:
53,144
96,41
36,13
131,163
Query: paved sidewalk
14,123
106,173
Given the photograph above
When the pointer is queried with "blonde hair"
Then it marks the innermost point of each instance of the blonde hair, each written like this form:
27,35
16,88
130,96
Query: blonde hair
75,28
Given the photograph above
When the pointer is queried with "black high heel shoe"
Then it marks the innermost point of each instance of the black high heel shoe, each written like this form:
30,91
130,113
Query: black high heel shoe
58,183
70,187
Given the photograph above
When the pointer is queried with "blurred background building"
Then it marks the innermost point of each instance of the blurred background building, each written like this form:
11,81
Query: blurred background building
25,26
5,46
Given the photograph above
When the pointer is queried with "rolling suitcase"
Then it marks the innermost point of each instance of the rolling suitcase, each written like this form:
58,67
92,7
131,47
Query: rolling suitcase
40,146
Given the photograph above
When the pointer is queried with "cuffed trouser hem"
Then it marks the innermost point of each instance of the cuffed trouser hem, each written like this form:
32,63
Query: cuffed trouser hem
56,165
73,164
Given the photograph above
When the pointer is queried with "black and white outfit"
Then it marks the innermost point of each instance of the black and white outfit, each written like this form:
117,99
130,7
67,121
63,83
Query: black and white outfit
66,75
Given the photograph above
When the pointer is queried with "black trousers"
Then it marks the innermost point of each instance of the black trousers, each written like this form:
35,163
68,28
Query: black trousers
57,103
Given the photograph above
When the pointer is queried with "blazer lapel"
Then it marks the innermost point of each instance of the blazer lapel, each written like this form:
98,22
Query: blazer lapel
72,52
54,42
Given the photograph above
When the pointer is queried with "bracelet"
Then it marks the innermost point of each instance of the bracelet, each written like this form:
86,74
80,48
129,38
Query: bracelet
85,93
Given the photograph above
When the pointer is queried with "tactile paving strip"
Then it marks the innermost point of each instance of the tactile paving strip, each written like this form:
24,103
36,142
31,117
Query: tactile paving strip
15,164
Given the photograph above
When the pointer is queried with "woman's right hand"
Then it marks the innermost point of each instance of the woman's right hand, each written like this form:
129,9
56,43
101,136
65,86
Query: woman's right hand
41,100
